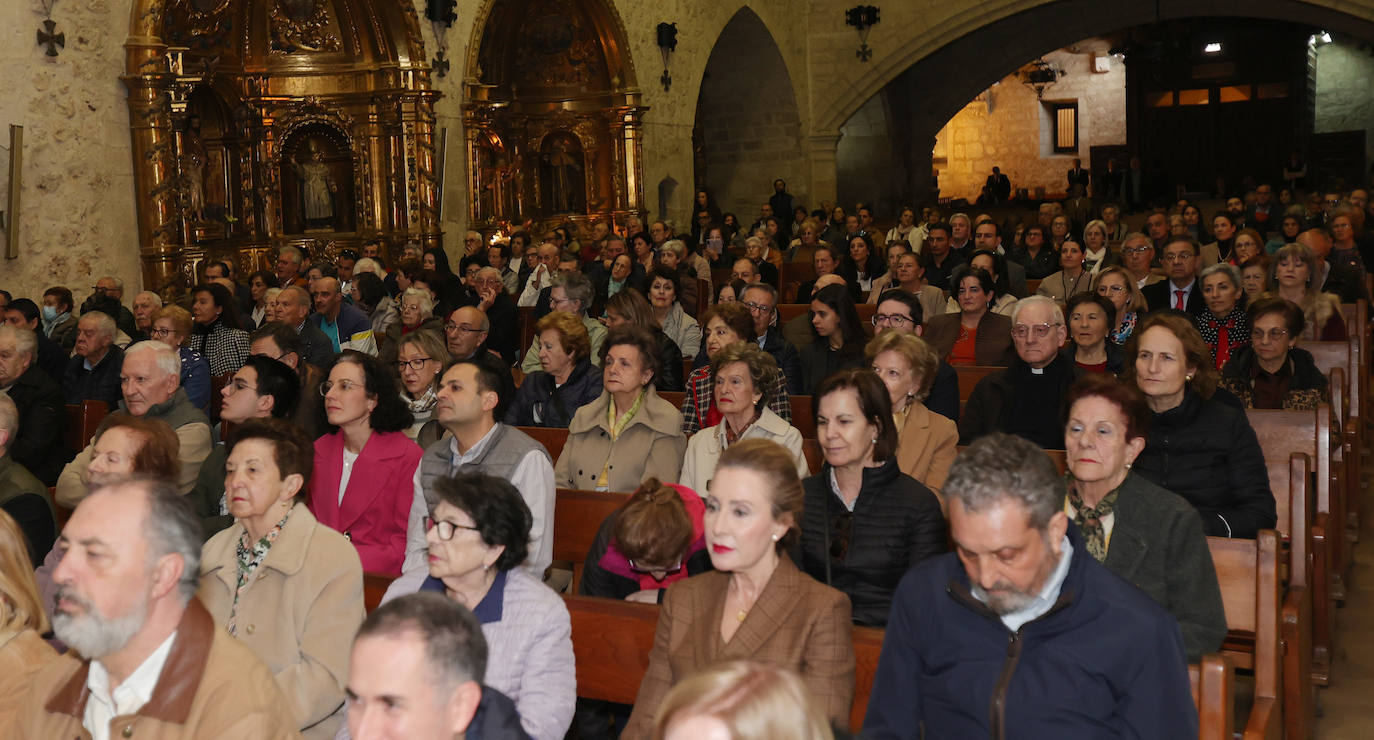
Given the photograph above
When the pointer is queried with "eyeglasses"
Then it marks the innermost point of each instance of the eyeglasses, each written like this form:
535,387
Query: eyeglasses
1039,331
446,529
1111,289
1176,257
641,568
757,308
414,364
238,384
1274,335
455,327
161,332
344,385
891,319
1135,250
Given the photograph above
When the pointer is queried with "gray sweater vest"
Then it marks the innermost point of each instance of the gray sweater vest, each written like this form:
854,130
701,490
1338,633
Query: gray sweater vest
504,451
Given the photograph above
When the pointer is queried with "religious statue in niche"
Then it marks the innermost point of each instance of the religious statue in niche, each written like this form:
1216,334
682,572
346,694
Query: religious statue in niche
301,25
193,160
561,167
317,190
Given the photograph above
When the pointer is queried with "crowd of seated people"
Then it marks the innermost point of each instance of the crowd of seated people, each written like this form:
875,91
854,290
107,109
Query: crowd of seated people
368,420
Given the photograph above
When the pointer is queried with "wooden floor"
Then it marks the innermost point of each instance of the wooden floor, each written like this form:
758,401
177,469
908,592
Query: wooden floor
1347,706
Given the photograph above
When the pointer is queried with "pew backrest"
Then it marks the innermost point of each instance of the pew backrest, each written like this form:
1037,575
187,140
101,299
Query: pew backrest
82,421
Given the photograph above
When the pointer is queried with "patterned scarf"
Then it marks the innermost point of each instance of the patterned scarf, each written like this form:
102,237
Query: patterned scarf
1226,335
1090,519
1119,336
422,405
250,556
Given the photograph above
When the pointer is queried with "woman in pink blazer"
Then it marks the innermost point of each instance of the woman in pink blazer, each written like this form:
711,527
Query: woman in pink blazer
364,472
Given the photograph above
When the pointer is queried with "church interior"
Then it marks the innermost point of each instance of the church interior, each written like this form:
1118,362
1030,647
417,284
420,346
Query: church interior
150,138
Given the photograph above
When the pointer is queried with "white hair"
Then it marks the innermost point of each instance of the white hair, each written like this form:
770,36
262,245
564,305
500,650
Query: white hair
9,418
103,322
167,359
423,297
25,341
367,264
1038,300
157,299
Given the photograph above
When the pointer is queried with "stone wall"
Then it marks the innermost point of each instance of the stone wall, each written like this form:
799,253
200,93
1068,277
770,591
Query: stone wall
1345,92
863,160
1011,129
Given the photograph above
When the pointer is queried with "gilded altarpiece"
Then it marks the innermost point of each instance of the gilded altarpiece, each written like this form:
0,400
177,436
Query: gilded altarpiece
552,116
261,123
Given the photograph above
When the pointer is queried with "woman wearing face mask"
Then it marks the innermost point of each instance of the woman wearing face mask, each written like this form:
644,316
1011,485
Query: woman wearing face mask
1071,278
1272,371
1223,324
755,603
288,587
1091,316
58,322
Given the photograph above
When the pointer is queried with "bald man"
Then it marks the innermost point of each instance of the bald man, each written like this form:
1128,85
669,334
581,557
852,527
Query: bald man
345,326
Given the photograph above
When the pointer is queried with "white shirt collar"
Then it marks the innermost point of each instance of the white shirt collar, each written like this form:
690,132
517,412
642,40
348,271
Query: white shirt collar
462,458
1049,593
127,698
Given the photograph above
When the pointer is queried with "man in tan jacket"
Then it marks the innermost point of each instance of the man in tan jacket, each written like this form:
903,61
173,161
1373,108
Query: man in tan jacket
146,658
151,383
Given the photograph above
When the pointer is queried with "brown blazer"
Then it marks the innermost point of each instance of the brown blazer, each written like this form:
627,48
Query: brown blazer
926,445
992,346
22,654
796,623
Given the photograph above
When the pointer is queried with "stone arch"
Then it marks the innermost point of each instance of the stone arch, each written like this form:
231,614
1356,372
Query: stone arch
982,48
748,126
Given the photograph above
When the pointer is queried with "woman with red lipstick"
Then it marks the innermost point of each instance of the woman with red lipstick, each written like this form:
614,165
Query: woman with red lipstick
866,523
756,604
363,481
1140,531
288,587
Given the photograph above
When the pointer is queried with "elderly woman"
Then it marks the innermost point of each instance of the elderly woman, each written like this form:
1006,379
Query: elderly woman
417,307
631,308
1090,317
419,361
926,441
663,296
1059,231
726,324
1096,253
911,277
218,336
1295,276
1198,446
779,614
363,479
743,379
1248,244
1254,276
975,335
1272,371
478,535
866,523
837,336
1141,532
803,248
269,313
1222,323
288,587
628,433
673,255
995,265
1116,285
568,380
258,284
172,326
1071,279
741,700
23,652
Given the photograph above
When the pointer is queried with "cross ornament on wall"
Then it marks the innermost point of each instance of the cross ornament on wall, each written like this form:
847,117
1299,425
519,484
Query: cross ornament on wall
53,40
440,64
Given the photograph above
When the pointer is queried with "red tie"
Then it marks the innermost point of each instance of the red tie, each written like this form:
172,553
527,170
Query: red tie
1178,300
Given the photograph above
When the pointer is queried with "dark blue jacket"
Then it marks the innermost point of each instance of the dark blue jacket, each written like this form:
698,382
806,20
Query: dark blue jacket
1106,661
555,406
495,719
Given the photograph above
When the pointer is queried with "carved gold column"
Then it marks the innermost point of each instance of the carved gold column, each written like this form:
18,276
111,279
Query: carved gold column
427,187
146,78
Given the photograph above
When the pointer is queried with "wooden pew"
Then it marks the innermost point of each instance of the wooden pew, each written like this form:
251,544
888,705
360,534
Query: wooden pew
1340,361
82,421
1214,691
217,383
969,375
374,587
612,641
577,516
553,438
1290,482
803,415
1248,571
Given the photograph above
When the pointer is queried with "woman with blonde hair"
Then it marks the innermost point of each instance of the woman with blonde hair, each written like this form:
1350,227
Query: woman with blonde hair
566,381
926,441
1295,277
22,621
172,325
1116,285
742,700
419,361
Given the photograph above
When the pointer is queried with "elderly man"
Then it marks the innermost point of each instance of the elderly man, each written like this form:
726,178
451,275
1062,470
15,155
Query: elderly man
1024,398
496,303
108,296
1157,228
466,334
37,442
1020,629
416,672
277,341
145,304
23,313
343,325
263,388
293,309
744,269
147,658
571,293
150,379
1181,291
93,371
1334,278
1137,253
289,272
22,496
542,275
762,301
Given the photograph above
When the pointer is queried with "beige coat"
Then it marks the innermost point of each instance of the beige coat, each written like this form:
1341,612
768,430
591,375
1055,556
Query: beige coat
651,445
211,687
299,615
22,654
926,445
704,448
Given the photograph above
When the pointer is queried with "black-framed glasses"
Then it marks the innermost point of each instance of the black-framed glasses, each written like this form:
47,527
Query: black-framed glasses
891,319
641,568
414,364
455,327
161,332
757,308
445,528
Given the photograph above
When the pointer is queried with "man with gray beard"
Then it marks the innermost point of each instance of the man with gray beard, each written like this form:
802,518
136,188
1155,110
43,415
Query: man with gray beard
146,658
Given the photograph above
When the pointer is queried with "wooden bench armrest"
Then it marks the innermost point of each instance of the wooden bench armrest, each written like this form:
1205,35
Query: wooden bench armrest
1215,696
1295,632
1265,721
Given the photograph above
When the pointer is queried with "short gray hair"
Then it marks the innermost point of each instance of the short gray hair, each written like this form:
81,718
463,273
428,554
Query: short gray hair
1002,467
103,322
168,360
577,287
1231,272
171,527
773,292
157,299
489,272
423,296
367,264
9,417
455,648
1038,300
294,253
118,283
675,246
25,340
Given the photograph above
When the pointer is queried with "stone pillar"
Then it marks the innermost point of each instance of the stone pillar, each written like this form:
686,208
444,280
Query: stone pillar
820,160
